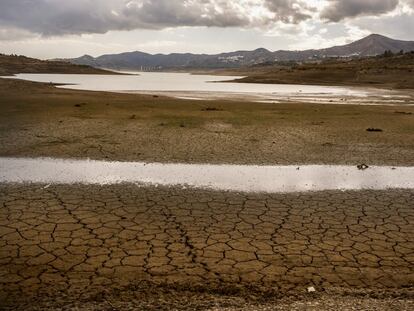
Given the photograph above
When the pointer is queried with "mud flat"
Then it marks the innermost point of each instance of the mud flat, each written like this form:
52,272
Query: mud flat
65,245
143,247
39,120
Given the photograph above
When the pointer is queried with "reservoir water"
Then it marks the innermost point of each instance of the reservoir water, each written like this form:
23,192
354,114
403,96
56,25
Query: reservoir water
181,82
210,87
242,178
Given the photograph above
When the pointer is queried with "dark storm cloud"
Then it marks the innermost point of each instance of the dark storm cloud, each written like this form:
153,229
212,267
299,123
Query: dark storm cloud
57,17
50,17
340,9
60,17
288,11
174,13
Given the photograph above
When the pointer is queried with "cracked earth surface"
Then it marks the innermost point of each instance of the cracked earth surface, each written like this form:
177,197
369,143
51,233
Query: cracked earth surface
82,241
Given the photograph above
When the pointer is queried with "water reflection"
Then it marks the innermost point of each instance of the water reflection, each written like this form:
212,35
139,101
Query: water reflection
243,178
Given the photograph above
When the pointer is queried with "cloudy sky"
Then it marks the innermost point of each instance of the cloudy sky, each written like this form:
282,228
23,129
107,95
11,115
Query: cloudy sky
71,28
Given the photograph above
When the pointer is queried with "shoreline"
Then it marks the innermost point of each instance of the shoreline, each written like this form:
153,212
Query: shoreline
342,95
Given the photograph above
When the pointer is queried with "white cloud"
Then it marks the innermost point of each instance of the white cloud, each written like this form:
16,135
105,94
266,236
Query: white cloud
410,3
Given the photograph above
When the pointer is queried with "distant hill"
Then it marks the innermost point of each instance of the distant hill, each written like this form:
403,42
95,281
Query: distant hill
386,71
144,61
369,46
13,64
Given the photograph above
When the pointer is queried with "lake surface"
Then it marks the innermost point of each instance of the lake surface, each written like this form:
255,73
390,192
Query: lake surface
184,83
242,178
209,87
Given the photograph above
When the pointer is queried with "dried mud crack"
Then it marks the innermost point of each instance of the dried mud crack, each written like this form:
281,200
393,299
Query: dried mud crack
120,247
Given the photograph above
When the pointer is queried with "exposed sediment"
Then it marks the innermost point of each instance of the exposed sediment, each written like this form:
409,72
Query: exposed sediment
82,241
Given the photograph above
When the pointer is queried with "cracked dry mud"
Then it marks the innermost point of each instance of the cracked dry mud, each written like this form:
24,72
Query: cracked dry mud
65,244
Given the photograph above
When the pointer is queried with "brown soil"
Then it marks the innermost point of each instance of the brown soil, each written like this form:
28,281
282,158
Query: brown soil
185,249
124,247
41,120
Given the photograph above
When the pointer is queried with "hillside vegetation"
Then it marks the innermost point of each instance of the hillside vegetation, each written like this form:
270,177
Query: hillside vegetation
395,71
13,64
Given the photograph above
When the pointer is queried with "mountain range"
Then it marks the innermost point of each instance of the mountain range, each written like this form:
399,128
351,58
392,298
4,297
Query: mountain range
369,46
